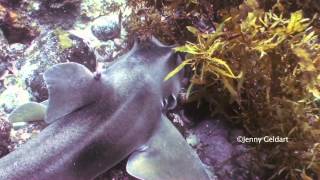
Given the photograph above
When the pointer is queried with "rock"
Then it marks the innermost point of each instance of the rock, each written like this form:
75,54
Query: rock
8,54
12,89
81,53
22,133
13,94
192,140
5,68
43,53
105,52
17,48
33,6
57,4
13,3
38,86
218,149
119,42
106,27
75,49
57,13
91,9
117,173
5,128
5,57
16,28
47,51
3,40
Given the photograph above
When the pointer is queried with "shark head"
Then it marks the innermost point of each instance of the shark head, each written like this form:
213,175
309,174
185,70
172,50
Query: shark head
155,60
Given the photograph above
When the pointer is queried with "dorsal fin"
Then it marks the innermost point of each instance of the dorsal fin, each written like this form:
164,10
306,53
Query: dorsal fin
166,156
70,87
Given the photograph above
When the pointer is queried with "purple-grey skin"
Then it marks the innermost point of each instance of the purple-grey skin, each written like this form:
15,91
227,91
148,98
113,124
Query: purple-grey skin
97,120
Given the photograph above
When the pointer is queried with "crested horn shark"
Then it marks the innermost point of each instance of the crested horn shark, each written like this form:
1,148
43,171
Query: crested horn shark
98,119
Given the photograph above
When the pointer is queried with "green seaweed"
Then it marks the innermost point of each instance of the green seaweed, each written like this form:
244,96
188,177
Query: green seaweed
63,38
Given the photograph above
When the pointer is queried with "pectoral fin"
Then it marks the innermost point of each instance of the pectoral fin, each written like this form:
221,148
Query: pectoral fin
70,87
31,111
167,157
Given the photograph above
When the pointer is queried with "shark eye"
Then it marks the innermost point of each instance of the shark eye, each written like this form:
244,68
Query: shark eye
171,102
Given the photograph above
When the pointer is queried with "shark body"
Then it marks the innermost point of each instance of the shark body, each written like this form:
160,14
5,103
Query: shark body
97,120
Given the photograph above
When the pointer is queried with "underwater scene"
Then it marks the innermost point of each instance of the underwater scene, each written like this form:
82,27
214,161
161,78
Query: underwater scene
159,89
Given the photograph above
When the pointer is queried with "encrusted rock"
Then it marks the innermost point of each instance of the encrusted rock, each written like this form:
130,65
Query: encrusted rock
5,57
106,27
23,133
91,9
15,26
81,53
57,4
43,53
218,148
48,50
106,51
10,2
5,128
17,48
57,13
38,87
117,173
14,94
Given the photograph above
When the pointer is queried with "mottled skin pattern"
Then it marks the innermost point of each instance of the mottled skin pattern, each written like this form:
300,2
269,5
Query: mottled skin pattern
121,111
